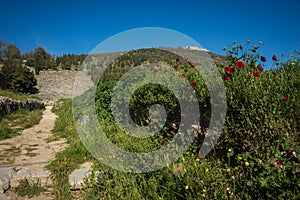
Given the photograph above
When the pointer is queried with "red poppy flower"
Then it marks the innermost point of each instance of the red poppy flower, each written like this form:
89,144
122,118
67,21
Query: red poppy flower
186,70
181,76
161,143
175,68
172,159
172,147
177,59
226,78
263,59
274,58
260,68
193,84
280,162
256,74
155,70
152,161
192,64
229,69
240,64
285,98
165,71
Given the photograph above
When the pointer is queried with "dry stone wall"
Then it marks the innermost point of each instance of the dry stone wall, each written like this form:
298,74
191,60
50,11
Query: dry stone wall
8,105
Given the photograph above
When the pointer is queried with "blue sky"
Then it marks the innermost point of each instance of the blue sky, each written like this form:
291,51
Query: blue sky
78,26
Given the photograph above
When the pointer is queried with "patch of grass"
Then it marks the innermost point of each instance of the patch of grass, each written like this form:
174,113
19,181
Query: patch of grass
5,143
52,138
34,145
27,188
12,124
18,95
64,125
14,95
29,149
9,154
13,149
30,154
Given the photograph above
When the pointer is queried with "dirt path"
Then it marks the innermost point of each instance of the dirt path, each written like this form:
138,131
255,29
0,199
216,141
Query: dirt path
27,155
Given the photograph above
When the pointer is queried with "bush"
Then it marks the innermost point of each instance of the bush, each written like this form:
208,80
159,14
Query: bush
19,78
263,105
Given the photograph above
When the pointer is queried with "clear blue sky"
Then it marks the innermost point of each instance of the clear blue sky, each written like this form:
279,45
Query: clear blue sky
78,26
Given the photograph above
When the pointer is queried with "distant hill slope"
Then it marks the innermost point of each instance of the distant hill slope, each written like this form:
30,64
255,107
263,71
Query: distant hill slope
54,85
116,64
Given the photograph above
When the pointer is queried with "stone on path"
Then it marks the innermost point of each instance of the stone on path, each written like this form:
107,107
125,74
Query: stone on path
5,179
77,177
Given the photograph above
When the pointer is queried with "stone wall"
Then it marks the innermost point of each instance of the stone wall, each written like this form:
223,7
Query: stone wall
9,106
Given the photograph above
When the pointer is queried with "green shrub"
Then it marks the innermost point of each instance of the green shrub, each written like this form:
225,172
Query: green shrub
19,78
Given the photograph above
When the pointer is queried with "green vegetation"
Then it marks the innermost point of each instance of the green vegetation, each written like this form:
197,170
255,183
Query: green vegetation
27,188
257,156
14,95
19,79
18,95
12,124
19,70
70,158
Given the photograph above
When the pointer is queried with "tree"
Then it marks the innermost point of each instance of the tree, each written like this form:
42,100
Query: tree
19,78
13,52
29,57
3,50
42,59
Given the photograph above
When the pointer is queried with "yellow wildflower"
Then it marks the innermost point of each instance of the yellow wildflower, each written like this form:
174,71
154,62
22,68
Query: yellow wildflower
183,159
239,158
228,170
206,170
204,190
247,164
186,187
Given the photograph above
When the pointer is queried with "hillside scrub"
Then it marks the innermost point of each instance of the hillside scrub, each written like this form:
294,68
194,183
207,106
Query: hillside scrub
257,155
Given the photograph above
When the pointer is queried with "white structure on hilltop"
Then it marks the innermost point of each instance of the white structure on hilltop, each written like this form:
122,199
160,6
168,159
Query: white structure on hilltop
195,48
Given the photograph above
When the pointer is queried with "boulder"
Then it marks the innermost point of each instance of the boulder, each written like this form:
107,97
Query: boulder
5,179
77,177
